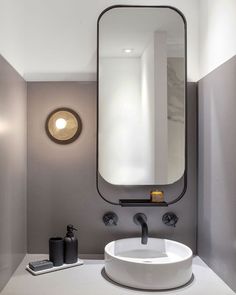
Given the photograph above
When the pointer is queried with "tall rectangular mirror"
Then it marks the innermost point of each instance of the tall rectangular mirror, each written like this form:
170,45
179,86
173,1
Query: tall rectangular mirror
141,96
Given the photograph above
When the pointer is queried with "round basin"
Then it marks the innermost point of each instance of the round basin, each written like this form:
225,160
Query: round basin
161,264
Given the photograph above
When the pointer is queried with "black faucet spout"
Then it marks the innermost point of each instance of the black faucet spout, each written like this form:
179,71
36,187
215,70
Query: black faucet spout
144,233
141,219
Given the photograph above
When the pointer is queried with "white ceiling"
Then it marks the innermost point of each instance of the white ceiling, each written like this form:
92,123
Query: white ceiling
56,39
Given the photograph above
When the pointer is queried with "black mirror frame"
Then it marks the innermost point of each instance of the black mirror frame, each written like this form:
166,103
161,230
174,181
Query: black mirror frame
144,202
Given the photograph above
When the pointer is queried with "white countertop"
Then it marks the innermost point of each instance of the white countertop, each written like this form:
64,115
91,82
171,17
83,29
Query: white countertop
87,280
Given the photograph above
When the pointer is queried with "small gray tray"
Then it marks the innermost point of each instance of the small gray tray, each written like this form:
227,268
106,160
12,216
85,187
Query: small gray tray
55,268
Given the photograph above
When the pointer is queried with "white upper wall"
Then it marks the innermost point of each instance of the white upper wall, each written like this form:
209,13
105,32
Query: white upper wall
11,38
217,33
56,39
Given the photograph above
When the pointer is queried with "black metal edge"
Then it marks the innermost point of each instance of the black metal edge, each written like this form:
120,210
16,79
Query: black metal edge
186,118
128,202
141,203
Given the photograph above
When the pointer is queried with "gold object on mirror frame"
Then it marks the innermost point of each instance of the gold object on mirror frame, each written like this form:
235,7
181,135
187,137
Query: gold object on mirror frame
63,125
156,196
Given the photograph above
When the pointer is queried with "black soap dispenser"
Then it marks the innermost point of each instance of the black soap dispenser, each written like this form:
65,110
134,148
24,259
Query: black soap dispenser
70,246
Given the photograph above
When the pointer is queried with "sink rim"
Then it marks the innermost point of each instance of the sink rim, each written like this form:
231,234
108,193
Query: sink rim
189,253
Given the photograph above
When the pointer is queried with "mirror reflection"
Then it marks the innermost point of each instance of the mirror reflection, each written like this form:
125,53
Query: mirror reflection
141,136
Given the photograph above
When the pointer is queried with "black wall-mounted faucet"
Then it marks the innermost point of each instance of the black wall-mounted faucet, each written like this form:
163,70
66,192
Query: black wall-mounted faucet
141,219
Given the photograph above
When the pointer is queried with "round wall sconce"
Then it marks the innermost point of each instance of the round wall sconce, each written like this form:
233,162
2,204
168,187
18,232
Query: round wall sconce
63,125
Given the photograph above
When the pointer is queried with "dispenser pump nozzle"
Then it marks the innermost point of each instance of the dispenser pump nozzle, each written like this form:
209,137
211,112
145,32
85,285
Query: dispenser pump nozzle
70,229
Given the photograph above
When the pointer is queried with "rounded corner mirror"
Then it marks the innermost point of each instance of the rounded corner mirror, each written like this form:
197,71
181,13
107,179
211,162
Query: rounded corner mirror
141,99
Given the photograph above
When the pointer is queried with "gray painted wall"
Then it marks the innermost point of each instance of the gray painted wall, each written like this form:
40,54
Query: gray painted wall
62,179
12,170
217,171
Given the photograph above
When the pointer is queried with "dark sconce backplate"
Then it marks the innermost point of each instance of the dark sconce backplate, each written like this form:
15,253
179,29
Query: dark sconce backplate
63,125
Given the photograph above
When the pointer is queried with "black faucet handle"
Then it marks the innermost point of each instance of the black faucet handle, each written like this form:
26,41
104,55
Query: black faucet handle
110,219
170,219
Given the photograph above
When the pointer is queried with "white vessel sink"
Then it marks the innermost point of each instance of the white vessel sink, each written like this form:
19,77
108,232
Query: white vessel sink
161,264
